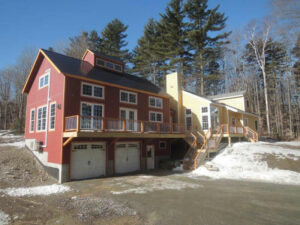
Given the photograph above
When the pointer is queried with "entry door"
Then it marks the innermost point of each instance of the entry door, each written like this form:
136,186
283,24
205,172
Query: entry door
130,115
150,157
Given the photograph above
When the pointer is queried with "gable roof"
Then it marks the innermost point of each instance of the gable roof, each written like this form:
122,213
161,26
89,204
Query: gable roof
81,69
227,95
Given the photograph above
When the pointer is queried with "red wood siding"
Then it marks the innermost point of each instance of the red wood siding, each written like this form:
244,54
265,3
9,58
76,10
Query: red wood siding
111,102
89,57
36,98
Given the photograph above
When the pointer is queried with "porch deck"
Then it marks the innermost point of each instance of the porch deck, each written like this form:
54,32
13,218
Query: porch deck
88,126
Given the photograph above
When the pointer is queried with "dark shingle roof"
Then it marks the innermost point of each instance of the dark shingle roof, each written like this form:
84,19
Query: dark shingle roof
80,68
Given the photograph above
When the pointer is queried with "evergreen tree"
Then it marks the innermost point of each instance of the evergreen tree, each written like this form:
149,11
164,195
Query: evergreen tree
174,37
205,44
94,41
113,40
149,56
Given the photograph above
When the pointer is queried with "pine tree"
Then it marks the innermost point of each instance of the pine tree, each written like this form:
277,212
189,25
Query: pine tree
174,37
205,40
149,55
113,40
94,41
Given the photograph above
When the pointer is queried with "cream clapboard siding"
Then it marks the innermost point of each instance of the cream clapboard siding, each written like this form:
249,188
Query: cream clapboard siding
236,102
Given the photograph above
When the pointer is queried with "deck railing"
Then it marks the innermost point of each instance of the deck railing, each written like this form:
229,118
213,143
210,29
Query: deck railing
100,124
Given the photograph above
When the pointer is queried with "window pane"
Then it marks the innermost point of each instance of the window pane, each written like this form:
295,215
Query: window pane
152,117
123,114
109,65
188,111
124,97
97,110
158,103
46,80
98,92
118,67
152,102
132,98
100,62
41,82
86,109
158,117
204,109
87,89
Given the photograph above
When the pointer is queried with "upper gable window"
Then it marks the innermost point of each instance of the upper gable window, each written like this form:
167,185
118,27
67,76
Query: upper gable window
109,65
92,90
155,102
44,81
128,97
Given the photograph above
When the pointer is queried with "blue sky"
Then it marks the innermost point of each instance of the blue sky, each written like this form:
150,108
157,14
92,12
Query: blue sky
44,23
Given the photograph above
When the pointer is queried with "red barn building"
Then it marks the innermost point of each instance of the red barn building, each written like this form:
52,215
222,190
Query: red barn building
88,118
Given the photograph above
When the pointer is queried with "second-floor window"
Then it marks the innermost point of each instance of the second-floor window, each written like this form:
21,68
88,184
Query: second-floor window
44,81
41,118
32,114
92,90
155,102
128,97
52,116
155,116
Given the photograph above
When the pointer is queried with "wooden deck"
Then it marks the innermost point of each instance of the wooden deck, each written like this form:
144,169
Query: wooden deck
86,126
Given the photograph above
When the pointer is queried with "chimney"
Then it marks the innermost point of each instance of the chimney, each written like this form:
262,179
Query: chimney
174,89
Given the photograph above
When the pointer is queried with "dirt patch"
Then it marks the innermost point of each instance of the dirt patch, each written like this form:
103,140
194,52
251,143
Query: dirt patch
20,169
282,163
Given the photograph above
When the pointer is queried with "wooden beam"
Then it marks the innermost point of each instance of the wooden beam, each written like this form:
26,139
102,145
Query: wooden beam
68,141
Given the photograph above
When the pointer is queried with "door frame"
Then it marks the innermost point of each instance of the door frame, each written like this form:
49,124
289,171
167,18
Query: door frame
153,155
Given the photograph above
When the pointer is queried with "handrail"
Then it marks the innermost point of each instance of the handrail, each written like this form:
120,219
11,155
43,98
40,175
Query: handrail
86,123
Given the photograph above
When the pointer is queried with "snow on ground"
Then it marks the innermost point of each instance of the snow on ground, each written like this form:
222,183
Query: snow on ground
247,161
18,144
4,218
39,190
143,184
291,143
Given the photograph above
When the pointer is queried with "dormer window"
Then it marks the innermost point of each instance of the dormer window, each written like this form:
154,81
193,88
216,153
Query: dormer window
109,65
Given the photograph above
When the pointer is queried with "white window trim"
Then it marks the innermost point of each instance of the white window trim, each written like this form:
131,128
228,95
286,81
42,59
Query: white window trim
43,76
30,120
151,106
128,102
127,109
187,116
208,117
37,118
49,125
162,142
93,85
92,103
162,117
114,65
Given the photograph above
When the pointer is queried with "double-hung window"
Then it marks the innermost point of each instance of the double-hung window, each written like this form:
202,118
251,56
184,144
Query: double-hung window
155,102
92,90
52,116
204,118
41,118
32,115
155,116
44,81
128,97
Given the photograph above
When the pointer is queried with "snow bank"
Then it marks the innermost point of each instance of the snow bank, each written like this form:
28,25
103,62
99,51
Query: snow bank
246,161
4,218
144,184
18,144
32,191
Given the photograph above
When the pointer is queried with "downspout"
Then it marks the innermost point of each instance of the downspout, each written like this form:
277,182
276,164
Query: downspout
47,113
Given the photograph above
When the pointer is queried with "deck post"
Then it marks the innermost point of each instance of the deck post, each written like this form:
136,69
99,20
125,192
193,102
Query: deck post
124,125
142,127
78,123
229,141
103,125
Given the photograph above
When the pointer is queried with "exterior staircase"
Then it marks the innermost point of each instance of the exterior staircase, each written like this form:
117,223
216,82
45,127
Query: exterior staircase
200,144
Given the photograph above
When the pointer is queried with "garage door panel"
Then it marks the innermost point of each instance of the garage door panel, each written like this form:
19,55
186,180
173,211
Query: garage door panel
127,157
88,162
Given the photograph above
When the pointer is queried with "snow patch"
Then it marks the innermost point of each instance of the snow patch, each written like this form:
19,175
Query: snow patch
33,191
245,161
19,144
144,184
4,218
291,143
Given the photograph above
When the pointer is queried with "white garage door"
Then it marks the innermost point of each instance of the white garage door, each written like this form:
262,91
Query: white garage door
127,157
88,160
